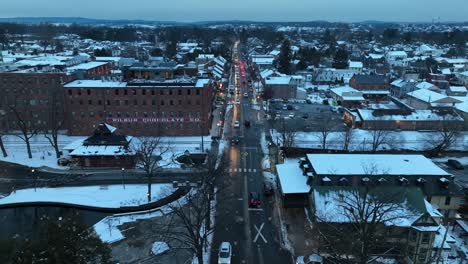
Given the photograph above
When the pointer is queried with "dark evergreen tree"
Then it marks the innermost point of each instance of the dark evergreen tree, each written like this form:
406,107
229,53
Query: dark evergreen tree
340,60
284,58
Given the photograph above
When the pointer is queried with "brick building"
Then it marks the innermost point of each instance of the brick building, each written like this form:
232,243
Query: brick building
32,94
180,107
92,68
373,87
280,87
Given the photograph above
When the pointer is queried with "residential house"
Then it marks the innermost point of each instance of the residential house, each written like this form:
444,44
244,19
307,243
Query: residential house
280,87
347,96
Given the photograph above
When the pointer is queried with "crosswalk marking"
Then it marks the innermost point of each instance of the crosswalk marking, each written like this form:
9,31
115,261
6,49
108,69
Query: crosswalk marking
246,170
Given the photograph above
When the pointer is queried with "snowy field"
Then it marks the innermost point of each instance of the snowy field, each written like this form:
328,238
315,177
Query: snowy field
44,155
362,140
107,196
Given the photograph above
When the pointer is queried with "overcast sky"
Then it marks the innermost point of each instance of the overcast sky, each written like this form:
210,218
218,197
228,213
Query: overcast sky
257,10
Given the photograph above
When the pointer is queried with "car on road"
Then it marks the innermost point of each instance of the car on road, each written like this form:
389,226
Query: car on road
289,107
308,101
225,253
305,115
455,164
254,199
309,259
235,140
291,115
246,95
236,124
247,123
237,101
267,188
220,123
285,107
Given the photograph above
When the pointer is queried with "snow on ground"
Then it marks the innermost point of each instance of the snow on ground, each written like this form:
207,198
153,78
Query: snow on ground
269,177
108,231
44,154
108,196
362,140
159,248
208,245
221,148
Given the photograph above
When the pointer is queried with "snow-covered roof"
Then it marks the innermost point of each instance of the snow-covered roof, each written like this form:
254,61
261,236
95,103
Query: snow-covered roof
87,66
397,53
417,115
458,89
102,151
375,56
425,85
374,164
291,178
110,128
202,82
355,64
426,95
278,80
331,204
94,84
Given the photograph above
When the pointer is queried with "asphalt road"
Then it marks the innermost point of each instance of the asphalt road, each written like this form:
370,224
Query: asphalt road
251,231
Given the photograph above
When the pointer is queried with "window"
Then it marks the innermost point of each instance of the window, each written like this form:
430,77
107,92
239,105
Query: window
134,92
136,114
70,92
425,238
117,102
189,92
154,114
118,114
180,102
170,92
90,102
144,102
79,92
88,92
162,102
125,92
413,236
135,102
143,92
197,102
198,92
171,102
189,102
161,92
116,91
145,114
152,92
107,102
99,102
447,200
127,114
422,254
91,114
109,114
198,114
181,114
153,102
179,92
172,114
81,102
126,102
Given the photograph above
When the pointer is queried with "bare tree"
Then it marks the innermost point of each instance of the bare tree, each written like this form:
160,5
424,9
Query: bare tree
150,152
25,124
190,224
446,136
55,121
357,229
287,133
2,146
347,137
379,136
325,129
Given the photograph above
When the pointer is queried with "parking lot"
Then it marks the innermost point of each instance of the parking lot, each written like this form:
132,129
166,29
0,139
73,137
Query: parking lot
302,116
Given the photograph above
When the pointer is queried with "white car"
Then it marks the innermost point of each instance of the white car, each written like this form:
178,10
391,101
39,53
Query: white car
246,95
225,253
292,115
237,101
236,124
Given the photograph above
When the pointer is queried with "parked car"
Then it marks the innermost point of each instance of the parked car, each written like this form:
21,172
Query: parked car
246,123
63,161
254,200
220,123
291,115
246,95
305,116
325,102
309,259
235,140
455,164
289,107
236,124
225,253
268,188
285,107
237,101
308,101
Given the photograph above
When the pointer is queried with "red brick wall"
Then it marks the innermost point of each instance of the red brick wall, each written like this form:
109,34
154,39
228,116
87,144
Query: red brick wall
150,116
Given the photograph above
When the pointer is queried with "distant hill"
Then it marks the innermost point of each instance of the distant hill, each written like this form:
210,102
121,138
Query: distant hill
81,20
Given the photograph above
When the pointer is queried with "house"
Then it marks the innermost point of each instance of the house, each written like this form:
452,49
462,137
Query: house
105,148
347,96
355,66
280,87
399,88
373,87
463,77
293,185
397,58
426,99
457,91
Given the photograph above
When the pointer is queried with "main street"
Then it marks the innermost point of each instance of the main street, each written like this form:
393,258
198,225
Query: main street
253,232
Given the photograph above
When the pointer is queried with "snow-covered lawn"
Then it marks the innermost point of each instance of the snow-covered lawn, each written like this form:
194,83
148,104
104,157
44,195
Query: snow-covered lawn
108,196
108,231
362,140
44,154
159,248
462,160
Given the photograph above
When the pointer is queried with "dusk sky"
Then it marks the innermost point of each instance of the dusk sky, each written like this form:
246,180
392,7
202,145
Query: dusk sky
256,10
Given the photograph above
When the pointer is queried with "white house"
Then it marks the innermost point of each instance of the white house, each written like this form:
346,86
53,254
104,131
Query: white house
397,58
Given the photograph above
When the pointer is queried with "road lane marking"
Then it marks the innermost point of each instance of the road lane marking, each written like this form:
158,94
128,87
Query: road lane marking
259,233
255,209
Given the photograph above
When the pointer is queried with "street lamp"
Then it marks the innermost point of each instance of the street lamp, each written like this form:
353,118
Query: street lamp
35,180
123,178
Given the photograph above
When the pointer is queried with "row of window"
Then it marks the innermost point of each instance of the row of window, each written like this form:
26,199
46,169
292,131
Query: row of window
171,125
180,114
142,91
135,102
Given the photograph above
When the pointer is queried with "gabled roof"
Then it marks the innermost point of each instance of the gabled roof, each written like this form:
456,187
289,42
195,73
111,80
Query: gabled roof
370,79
